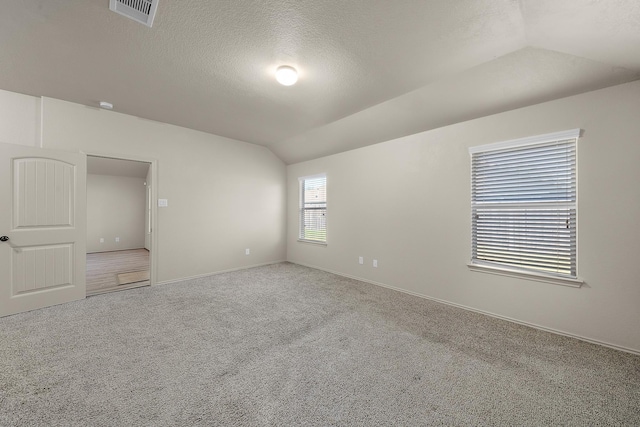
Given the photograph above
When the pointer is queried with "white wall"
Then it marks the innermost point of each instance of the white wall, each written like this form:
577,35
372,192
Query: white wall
19,119
115,208
224,195
406,203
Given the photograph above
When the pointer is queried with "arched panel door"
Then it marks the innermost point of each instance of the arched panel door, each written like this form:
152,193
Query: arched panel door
42,228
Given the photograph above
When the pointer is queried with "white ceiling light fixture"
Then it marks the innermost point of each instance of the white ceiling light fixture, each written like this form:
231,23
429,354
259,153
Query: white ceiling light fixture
286,75
106,105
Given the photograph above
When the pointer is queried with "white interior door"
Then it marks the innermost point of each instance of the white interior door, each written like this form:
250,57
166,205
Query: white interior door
43,227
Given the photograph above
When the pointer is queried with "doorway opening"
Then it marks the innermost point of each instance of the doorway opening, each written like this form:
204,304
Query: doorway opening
119,218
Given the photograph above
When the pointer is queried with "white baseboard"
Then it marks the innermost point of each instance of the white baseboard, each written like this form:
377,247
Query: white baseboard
475,310
199,276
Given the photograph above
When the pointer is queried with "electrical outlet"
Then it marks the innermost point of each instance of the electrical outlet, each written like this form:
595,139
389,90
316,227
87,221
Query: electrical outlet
375,263
247,251
361,260
117,239
102,240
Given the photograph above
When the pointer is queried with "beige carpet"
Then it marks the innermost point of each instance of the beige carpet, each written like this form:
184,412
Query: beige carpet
285,345
133,277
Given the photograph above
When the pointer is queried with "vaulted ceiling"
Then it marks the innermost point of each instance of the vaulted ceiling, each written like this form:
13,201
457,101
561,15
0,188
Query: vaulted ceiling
370,70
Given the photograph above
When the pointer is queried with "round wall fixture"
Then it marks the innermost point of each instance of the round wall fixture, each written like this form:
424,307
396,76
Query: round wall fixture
286,75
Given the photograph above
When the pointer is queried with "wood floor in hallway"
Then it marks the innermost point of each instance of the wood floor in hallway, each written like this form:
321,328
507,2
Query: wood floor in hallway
103,269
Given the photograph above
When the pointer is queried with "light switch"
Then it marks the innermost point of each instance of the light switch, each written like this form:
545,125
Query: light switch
163,203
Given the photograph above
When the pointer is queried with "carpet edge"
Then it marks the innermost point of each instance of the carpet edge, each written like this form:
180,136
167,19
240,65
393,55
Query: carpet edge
199,276
475,310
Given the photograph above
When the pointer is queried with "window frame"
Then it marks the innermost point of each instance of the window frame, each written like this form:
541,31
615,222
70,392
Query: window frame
301,209
505,269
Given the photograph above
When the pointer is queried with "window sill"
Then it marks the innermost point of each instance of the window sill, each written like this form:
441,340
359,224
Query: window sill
564,281
313,242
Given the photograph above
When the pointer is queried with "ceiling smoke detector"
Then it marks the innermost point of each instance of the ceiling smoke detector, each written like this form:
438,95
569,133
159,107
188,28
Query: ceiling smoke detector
142,11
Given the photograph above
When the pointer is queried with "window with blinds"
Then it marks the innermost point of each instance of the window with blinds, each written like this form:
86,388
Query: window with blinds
313,209
524,204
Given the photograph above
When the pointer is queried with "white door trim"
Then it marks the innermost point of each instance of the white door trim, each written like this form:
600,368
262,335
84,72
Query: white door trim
153,258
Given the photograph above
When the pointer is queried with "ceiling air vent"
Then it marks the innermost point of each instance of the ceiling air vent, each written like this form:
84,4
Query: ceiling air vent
142,11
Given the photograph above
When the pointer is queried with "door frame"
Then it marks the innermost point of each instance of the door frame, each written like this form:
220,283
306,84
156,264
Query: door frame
153,258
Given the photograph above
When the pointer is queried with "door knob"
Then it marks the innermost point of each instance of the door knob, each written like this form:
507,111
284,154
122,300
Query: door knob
6,239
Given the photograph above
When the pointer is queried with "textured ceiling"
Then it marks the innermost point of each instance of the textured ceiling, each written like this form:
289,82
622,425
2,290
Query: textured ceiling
370,70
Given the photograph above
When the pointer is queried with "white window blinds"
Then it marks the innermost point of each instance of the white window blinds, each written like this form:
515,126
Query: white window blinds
524,204
313,208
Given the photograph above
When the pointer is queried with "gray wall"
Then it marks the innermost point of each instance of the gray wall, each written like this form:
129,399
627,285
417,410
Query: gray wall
115,208
19,119
406,203
224,195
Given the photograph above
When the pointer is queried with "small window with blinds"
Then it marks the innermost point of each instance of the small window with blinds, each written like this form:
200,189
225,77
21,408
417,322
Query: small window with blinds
524,205
313,209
